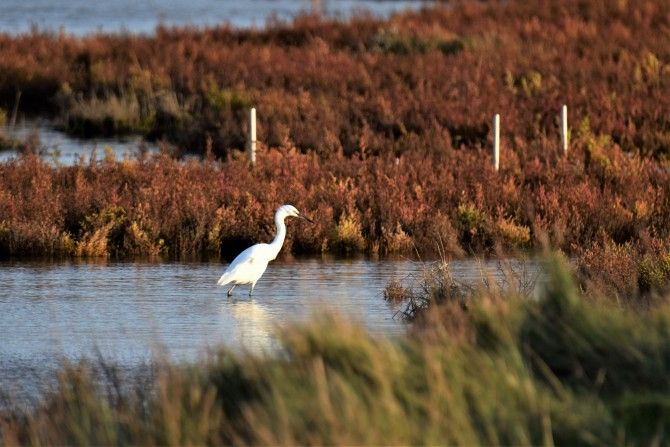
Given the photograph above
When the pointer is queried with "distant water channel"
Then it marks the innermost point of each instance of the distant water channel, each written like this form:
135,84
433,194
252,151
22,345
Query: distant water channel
59,148
131,312
81,17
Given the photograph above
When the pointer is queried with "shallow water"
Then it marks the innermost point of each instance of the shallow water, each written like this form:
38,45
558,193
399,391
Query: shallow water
130,312
59,148
84,16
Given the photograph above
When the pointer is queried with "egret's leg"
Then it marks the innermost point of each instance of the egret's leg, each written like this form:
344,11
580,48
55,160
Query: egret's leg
252,288
230,292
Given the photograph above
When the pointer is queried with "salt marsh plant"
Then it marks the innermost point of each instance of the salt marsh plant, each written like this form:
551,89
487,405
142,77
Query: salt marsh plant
427,80
370,205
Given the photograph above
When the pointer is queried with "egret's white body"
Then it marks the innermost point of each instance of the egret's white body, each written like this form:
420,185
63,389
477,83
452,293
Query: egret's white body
249,266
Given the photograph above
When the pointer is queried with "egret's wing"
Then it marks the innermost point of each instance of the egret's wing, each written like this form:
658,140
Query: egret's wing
242,262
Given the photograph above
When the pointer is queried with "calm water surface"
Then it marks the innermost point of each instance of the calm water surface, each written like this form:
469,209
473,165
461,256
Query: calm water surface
129,312
88,16
58,148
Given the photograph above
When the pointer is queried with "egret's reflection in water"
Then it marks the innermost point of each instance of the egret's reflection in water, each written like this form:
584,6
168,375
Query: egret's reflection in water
254,325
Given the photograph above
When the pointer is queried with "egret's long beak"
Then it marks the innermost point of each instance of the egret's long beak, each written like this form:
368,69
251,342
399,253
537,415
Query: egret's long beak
306,218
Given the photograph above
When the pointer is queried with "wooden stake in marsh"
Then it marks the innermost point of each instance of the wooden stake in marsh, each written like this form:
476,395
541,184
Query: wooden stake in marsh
252,136
564,129
496,141
15,110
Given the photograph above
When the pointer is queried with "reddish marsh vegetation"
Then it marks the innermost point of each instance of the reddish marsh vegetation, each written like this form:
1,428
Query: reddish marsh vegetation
374,205
427,81
339,102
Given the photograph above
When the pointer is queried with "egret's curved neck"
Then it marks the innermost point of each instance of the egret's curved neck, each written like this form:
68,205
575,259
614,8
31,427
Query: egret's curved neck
278,241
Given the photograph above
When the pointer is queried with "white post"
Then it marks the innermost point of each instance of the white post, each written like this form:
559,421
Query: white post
252,136
564,129
15,110
496,141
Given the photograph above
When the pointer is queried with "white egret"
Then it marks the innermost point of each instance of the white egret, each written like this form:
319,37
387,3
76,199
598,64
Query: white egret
249,266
